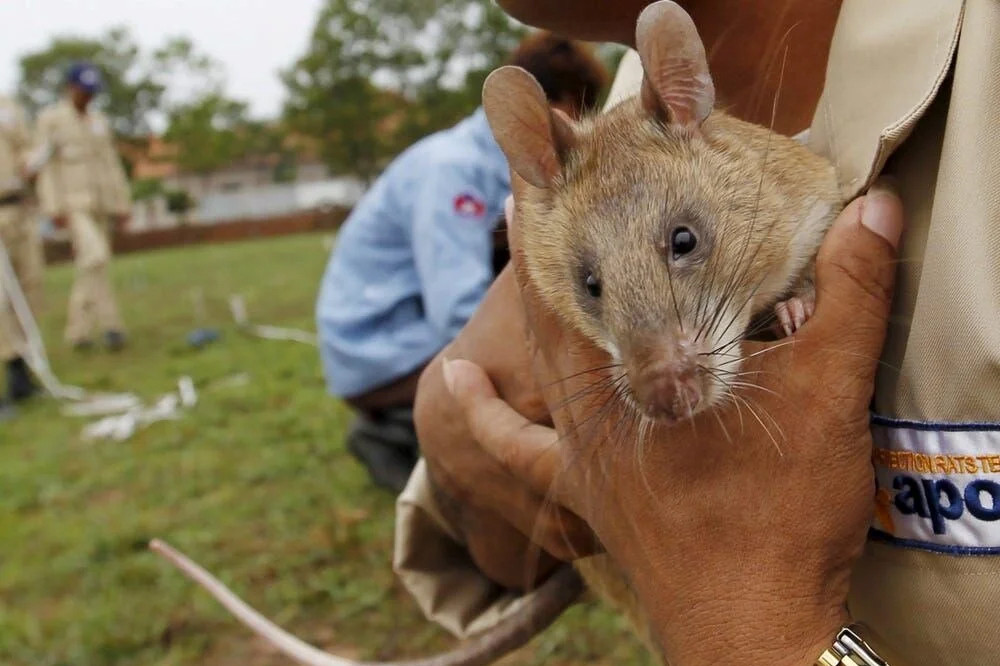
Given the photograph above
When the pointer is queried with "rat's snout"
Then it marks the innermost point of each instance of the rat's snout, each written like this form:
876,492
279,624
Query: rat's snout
667,396
666,382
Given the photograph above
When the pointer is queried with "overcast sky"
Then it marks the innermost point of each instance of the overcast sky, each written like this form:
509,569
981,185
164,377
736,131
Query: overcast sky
253,39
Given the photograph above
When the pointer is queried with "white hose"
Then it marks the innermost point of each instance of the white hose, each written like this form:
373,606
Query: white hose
295,648
35,355
239,309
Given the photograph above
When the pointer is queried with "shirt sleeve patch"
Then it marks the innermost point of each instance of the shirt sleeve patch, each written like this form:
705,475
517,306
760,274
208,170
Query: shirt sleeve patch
469,205
938,486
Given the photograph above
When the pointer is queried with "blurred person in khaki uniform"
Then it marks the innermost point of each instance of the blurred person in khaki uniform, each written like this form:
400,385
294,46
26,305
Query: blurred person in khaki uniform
84,187
913,90
19,233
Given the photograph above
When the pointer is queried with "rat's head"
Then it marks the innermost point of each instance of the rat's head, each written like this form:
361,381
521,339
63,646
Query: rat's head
651,228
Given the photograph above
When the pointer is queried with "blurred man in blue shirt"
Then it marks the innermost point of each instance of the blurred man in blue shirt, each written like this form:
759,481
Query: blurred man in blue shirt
415,258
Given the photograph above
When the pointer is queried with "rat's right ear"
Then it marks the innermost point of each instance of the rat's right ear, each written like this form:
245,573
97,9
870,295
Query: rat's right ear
534,137
677,87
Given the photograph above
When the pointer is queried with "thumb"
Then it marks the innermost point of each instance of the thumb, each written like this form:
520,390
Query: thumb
855,273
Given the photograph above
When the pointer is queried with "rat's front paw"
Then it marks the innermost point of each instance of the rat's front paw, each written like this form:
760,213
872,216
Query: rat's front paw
795,312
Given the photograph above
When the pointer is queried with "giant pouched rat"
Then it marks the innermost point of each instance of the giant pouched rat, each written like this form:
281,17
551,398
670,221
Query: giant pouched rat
661,230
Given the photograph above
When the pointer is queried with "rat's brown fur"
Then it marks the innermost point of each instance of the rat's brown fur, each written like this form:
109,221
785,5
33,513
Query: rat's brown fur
762,203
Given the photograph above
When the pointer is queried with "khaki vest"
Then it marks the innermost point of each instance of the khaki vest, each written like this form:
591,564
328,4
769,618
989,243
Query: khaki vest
83,173
914,88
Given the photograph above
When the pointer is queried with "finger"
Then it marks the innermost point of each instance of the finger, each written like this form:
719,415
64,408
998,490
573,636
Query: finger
855,272
528,451
784,317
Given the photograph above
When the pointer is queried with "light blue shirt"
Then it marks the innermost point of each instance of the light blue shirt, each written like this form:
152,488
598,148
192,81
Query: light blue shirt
413,260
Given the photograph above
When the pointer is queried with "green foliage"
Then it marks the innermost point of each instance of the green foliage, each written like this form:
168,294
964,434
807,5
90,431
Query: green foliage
261,138
146,188
213,132
207,132
254,482
178,201
286,169
378,74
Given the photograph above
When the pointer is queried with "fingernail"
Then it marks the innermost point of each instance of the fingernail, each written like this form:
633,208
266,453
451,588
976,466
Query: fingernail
879,212
449,375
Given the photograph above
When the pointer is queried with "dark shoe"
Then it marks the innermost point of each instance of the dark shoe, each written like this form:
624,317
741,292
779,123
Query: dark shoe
20,385
114,340
386,444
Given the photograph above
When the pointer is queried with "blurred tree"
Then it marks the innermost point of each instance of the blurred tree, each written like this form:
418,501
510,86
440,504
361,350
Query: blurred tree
147,188
135,83
180,202
208,132
267,142
378,74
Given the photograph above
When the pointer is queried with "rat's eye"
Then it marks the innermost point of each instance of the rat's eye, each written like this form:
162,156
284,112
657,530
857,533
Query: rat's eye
682,241
593,285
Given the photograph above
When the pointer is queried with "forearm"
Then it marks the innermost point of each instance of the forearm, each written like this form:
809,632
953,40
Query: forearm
768,60
595,20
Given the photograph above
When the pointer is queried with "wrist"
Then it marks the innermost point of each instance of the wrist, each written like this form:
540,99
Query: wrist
770,633
709,615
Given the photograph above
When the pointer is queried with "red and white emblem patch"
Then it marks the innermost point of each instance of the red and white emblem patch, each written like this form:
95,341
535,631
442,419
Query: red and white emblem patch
468,205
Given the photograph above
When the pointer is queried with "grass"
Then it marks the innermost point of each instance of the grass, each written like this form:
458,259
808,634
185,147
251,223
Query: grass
253,482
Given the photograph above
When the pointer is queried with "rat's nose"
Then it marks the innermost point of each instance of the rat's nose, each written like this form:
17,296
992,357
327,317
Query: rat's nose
666,394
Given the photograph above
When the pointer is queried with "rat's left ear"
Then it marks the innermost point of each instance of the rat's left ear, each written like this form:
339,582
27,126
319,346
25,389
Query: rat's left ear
535,138
677,87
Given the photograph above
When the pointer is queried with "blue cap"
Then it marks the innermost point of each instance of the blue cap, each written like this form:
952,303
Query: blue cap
85,75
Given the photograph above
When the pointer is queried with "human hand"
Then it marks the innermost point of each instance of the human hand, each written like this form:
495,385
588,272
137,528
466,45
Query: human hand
738,528
503,521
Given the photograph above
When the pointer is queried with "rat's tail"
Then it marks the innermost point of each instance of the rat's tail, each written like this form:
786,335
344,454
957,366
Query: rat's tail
556,594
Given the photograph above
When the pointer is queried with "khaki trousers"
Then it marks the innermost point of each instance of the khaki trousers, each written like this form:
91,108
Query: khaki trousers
20,237
92,300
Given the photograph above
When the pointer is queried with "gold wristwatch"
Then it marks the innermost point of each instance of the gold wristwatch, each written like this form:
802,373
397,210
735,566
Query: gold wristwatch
850,649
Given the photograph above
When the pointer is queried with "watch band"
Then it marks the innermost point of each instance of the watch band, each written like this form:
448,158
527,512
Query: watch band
850,649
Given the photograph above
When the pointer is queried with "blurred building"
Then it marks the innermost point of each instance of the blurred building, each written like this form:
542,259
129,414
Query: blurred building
253,187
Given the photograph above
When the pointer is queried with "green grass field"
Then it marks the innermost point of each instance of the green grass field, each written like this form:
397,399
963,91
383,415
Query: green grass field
253,482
